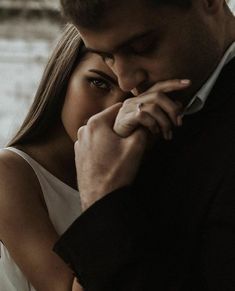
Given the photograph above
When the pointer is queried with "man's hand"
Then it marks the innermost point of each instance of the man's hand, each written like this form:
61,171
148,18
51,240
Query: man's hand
104,160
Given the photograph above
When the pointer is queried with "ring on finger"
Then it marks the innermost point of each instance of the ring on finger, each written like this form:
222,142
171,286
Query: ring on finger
139,106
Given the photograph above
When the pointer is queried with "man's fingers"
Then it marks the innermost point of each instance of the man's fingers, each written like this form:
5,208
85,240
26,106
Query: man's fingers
169,86
79,133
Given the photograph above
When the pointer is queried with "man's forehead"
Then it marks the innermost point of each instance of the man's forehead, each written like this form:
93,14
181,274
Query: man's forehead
109,42
120,25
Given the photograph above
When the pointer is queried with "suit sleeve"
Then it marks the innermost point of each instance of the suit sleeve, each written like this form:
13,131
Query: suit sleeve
218,247
106,244
111,247
215,270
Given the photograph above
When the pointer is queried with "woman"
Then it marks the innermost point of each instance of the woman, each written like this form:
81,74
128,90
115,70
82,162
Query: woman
38,192
39,198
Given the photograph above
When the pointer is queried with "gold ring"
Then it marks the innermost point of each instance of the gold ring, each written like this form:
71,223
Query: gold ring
139,106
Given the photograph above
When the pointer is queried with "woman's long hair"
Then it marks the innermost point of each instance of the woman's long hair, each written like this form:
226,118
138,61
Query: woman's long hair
47,105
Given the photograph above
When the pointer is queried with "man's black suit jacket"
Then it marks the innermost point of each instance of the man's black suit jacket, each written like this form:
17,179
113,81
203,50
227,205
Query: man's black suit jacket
174,228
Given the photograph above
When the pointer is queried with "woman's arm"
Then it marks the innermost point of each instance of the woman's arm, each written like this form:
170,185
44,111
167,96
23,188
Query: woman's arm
25,227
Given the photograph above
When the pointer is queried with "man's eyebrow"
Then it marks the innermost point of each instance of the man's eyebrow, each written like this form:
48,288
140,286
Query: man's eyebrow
105,76
125,43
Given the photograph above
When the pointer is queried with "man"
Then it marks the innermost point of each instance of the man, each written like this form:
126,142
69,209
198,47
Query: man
159,219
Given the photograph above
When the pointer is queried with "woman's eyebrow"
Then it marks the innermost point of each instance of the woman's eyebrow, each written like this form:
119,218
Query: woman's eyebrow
102,74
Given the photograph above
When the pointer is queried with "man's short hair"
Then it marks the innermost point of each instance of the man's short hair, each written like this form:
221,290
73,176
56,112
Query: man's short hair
90,13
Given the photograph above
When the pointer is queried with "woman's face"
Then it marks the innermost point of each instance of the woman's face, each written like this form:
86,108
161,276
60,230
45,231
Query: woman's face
92,88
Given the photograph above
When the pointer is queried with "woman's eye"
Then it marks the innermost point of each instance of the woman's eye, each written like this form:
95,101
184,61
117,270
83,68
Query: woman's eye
99,83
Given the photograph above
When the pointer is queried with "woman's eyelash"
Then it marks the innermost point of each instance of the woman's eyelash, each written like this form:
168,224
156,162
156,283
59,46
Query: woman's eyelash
99,83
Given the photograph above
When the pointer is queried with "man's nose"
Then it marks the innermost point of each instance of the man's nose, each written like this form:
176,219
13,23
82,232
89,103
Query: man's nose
129,74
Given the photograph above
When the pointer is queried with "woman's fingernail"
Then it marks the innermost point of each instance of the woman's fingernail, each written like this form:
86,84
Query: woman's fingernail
185,81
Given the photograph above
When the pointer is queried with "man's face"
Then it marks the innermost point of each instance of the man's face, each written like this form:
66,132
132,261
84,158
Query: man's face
143,45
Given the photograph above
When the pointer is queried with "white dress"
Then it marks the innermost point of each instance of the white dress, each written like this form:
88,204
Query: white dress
63,205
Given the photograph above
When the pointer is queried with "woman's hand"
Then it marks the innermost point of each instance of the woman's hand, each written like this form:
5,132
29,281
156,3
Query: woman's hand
153,110
105,161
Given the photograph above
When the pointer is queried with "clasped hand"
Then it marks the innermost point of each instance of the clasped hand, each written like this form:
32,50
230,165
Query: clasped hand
112,143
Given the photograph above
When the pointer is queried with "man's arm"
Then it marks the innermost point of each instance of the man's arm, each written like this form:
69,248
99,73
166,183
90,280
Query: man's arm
108,248
107,163
104,240
218,241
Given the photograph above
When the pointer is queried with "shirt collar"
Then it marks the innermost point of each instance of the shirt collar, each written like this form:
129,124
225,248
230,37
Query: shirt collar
198,101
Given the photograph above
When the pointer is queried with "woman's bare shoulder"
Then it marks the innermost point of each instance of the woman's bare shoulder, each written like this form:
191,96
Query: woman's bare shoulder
25,227
15,170
19,186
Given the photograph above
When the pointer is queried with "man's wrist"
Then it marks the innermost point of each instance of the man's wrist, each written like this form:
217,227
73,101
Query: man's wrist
88,198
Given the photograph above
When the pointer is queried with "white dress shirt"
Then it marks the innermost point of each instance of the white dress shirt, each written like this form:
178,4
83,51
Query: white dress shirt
198,101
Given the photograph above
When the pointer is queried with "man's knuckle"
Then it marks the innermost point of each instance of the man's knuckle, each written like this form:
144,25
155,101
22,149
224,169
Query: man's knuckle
93,121
127,102
80,131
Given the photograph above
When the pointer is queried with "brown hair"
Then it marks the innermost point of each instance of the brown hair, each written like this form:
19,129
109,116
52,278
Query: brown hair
91,13
47,105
